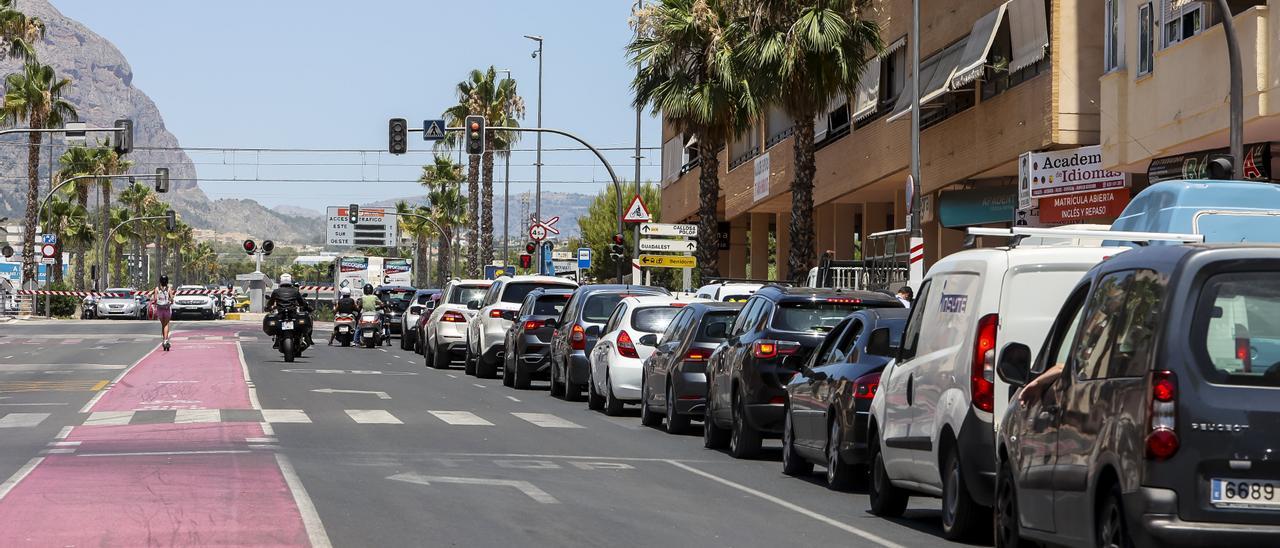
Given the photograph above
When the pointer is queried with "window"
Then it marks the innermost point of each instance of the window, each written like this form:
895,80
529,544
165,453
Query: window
1146,39
463,294
1182,22
516,292
743,147
805,316
492,296
825,351
551,305
599,306
740,325
1114,57
1236,334
677,325
1103,321
778,126
1143,314
911,335
845,347
615,318
653,319
711,319
894,73
672,158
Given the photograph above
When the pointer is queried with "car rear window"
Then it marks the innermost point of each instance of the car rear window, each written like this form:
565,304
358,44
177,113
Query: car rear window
1241,336
424,298
516,292
817,316
550,305
599,306
653,319
712,318
464,294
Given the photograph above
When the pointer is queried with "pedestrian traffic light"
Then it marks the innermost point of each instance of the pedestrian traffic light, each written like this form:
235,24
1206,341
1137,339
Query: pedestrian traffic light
6,251
268,246
353,213
162,180
526,260
124,136
398,130
618,248
530,247
170,220
475,134
250,247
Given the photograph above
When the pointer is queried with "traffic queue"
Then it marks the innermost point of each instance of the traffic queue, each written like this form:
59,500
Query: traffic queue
1072,386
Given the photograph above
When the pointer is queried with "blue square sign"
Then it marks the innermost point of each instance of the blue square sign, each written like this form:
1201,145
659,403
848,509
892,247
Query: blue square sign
584,257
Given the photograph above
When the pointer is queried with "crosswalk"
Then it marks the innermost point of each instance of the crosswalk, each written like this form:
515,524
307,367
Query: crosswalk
296,416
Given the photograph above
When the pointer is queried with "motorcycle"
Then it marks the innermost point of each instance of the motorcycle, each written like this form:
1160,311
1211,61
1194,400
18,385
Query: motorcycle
344,328
371,329
291,332
89,309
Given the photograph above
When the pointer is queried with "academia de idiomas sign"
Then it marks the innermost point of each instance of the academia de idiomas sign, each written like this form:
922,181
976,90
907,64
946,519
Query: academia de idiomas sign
1060,172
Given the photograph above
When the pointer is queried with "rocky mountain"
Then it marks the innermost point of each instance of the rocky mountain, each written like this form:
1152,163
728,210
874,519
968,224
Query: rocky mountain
102,91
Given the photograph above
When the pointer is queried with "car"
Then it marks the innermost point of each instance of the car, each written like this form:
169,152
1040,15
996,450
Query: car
829,400
1152,420
528,354
627,339
933,415
422,301
397,299
729,291
487,330
121,302
445,330
674,387
577,330
746,376
192,300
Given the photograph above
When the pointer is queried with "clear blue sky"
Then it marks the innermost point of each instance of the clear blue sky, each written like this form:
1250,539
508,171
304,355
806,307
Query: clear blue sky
326,74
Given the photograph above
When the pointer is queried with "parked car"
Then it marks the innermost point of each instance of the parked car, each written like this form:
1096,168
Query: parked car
728,291
191,300
1152,417
746,376
487,330
445,330
577,330
674,387
121,302
397,299
628,338
932,418
528,354
422,302
829,400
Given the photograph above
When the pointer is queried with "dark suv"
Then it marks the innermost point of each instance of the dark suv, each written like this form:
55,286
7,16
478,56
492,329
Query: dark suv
675,375
746,376
1150,416
528,342
577,329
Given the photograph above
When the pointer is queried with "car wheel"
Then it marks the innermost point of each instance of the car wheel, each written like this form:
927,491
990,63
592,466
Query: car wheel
557,387
595,401
676,423
404,341
841,476
469,362
612,405
521,379
1008,528
647,417
744,442
713,437
507,379
572,390
792,463
439,358
961,516
485,368
1109,523
887,500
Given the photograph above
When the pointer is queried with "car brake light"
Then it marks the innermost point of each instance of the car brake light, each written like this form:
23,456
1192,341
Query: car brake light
678,304
769,349
864,387
1162,437
982,373
696,355
495,313
454,317
839,300
625,347
530,325
1244,353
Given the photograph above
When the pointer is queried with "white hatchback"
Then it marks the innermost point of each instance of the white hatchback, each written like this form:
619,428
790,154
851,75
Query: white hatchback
629,337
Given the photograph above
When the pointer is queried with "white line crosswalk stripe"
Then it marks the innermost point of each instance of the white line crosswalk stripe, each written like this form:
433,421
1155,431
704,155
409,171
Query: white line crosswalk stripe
372,416
547,420
296,416
22,420
460,418
189,416
108,418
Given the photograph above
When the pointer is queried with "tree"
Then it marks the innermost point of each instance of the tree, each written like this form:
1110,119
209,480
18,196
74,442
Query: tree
19,33
807,54
136,197
690,73
123,234
34,96
457,116
62,217
79,162
600,224
448,208
422,230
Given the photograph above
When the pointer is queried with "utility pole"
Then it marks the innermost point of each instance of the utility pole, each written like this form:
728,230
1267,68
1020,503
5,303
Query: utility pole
1237,90
915,268
537,207
635,271
506,197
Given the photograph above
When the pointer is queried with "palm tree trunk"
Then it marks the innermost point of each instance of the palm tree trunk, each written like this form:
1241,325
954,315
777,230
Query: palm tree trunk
442,262
105,212
801,258
56,275
159,258
82,199
473,212
33,204
709,198
420,260
486,215
118,266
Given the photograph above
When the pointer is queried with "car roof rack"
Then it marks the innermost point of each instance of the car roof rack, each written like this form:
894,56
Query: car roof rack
1017,234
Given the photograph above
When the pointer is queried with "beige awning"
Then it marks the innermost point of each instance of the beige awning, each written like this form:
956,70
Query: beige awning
974,59
940,84
868,95
1029,31
894,46
903,106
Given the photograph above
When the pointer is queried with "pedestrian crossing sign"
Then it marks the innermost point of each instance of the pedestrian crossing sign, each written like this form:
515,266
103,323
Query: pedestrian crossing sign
432,130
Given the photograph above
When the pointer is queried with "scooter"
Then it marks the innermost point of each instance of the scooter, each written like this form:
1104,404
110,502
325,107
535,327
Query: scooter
371,326
344,328
89,309
291,332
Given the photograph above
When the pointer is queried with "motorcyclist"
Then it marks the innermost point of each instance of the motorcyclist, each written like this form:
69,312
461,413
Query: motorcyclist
368,303
345,305
287,294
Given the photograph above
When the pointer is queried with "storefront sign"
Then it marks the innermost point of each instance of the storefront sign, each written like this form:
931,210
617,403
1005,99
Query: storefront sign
762,177
1078,208
1194,165
979,206
1061,172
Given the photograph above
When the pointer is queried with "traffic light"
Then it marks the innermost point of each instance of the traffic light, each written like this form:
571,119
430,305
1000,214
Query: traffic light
124,136
162,180
398,142
474,131
526,260
618,248
6,251
530,248
93,272
353,213
170,220
268,246
250,247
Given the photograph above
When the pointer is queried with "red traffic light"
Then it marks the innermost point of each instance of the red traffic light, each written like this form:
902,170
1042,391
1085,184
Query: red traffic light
250,247
530,247
618,239
475,126
526,260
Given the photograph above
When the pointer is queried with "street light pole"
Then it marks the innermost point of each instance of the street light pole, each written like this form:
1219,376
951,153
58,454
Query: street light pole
915,268
506,197
1237,90
635,272
537,192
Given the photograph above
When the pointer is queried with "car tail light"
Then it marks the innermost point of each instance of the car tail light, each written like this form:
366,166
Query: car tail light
982,375
840,300
454,317
1244,353
578,338
778,399
1162,437
864,387
697,355
769,349
530,325
495,313
678,305
625,347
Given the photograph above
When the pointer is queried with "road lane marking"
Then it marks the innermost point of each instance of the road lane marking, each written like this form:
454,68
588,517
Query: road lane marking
191,416
452,376
62,434
285,416
788,505
244,369
310,518
31,404
22,420
546,420
478,385
513,398
568,457
460,418
98,396
99,386
174,382
14,367
52,386
525,487
168,453
18,476
108,418
347,372
372,416
380,395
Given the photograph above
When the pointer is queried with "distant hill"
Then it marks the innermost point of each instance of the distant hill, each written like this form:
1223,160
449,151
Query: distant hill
566,205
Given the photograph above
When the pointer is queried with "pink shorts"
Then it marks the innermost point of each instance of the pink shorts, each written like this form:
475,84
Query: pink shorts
164,313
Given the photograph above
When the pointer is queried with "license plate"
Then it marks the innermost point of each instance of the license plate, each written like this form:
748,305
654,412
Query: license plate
1241,493
286,325
368,335
343,329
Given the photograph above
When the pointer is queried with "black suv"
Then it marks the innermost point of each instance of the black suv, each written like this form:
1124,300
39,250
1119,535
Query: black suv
578,328
1150,416
746,376
528,342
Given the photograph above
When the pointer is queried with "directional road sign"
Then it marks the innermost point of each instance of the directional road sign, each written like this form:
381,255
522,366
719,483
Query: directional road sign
637,212
662,229
668,261
432,130
655,244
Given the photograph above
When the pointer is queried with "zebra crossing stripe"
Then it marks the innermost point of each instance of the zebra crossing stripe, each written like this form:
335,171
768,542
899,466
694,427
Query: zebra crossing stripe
108,418
546,420
191,416
461,418
372,416
297,416
22,420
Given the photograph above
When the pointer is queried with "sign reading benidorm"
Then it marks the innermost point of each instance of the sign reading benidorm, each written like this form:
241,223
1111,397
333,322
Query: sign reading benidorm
1071,172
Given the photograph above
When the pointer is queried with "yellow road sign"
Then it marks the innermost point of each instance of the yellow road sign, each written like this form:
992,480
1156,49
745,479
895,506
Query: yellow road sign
668,261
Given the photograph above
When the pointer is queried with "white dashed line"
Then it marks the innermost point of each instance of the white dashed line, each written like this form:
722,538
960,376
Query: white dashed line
285,416
460,418
372,416
478,385
546,420
22,420
108,418
513,398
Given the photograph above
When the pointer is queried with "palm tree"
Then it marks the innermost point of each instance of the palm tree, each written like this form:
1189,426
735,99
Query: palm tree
136,198
182,241
107,162
808,53
690,73
124,233
79,238
79,162
19,33
422,230
59,216
34,96
448,207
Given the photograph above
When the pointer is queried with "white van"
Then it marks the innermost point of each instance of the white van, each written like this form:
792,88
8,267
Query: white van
932,416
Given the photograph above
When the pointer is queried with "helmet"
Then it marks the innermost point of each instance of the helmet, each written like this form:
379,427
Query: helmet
368,289
345,291
286,279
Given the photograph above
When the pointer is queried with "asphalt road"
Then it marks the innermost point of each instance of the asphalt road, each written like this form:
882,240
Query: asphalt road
363,447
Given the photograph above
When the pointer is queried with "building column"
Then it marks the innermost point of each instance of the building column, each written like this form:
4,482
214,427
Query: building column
760,245
824,229
875,217
900,208
843,229
738,248
784,245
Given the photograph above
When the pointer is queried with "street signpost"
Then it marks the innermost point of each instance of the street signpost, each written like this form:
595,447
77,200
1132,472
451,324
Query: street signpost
662,229
49,238
678,246
637,212
432,130
376,227
668,261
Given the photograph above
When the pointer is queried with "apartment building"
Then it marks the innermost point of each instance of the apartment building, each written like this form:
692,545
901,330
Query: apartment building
1000,78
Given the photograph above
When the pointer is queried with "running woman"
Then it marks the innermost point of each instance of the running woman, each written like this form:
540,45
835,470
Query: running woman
164,312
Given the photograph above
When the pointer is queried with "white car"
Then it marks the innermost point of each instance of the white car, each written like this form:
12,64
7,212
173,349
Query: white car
932,419
191,300
628,339
487,331
121,302
728,291
445,334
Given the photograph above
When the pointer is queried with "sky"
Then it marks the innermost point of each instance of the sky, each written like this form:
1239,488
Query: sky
321,74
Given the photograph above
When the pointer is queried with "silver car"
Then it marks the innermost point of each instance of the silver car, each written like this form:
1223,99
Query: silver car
121,302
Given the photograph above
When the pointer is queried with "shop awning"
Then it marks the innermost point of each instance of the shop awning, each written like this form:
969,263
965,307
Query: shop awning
974,58
868,90
1029,32
936,73
978,206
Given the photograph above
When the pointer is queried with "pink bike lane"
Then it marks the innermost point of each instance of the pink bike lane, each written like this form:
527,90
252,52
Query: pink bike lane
188,483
